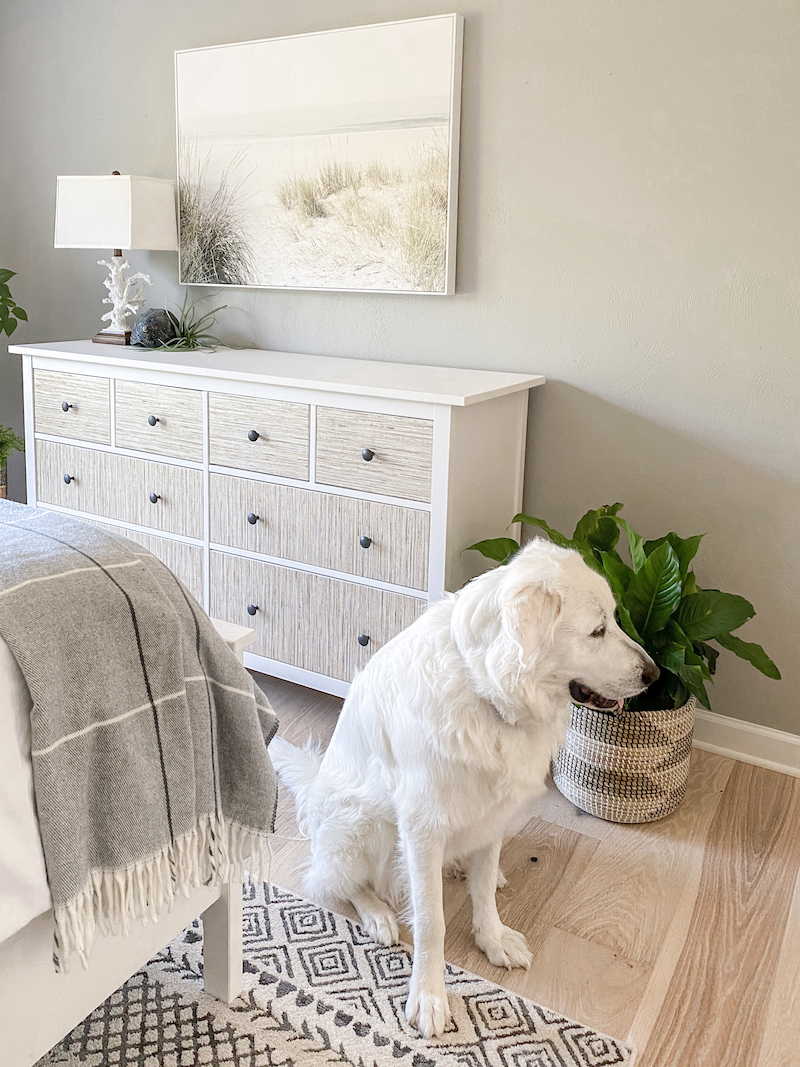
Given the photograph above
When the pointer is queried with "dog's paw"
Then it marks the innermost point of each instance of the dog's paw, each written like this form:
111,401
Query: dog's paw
428,1010
508,950
502,881
381,926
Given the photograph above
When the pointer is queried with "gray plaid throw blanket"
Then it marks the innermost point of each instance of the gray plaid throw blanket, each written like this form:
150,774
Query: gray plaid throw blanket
148,737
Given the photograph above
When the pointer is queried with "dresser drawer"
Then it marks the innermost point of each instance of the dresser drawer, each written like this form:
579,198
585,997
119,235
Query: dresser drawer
158,418
120,487
86,417
385,454
252,434
322,530
305,619
184,560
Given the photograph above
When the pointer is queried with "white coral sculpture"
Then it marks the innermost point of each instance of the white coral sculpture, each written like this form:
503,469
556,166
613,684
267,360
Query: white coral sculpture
123,301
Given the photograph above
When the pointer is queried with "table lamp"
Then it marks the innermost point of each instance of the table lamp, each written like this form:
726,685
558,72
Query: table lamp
118,211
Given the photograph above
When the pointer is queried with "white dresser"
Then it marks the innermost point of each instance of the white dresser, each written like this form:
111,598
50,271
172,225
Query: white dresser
322,501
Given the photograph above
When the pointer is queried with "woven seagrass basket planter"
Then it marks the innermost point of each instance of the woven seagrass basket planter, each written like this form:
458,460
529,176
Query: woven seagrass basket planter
626,768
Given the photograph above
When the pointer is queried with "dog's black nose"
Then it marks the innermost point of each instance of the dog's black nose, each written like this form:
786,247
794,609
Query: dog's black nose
650,674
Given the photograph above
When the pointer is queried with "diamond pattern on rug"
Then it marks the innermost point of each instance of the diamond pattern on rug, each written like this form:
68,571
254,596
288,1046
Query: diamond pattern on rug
317,991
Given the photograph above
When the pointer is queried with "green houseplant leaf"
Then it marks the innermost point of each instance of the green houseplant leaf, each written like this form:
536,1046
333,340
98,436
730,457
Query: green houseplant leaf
654,591
556,537
750,651
635,544
9,442
598,529
10,311
708,613
685,548
498,548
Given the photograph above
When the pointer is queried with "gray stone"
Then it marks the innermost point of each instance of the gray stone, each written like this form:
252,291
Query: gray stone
153,329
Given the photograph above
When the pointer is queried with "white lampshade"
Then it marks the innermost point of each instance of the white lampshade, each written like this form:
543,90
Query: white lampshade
115,211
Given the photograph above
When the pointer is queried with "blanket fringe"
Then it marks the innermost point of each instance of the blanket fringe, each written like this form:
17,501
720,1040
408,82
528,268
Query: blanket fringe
213,852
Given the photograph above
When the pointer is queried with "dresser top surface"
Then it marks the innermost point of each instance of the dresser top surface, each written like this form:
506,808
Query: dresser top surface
400,381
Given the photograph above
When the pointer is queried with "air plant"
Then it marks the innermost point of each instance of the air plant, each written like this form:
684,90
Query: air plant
191,327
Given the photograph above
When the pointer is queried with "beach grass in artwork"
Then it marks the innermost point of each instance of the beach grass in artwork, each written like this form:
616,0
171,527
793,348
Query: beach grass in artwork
374,217
214,244
321,161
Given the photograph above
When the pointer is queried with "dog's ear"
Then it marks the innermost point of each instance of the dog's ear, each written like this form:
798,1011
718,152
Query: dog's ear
530,616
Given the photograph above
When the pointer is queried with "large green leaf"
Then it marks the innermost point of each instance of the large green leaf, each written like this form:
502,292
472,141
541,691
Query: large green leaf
685,548
617,572
556,537
589,558
690,675
638,555
598,528
708,613
5,275
750,651
654,591
499,548
709,653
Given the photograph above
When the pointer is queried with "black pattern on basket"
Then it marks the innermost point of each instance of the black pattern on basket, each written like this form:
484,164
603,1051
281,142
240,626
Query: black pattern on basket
627,768
630,728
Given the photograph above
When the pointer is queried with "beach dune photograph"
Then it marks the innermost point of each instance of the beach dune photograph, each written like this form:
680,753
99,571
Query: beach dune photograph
322,161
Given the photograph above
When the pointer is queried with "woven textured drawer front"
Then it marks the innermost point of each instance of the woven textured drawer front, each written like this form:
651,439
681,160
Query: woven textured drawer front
281,433
305,619
159,418
87,407
119,487
400,449
184,560
322,530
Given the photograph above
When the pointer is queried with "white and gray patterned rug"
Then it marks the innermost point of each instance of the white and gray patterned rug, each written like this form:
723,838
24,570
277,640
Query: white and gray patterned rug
318,991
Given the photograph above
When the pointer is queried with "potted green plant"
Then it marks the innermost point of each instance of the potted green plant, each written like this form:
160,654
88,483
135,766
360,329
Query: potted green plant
10,311
9,442
633,767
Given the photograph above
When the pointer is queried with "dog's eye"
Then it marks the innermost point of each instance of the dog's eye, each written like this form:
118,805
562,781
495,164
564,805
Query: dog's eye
599,632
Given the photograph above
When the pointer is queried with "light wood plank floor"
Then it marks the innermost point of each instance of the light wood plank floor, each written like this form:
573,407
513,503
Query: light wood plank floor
681,936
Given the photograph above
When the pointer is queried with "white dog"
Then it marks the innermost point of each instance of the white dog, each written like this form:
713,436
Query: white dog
448,730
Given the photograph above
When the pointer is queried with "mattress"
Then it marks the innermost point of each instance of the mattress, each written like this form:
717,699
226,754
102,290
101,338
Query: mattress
24,892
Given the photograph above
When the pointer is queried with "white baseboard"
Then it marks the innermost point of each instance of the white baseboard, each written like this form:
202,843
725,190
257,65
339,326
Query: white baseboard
745,741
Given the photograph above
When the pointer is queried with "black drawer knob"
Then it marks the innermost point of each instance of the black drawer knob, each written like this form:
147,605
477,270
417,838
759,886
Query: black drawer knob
367,455
253,435
65,406
251,609
363,640
69,478
365,541
154,498
152,420
252,518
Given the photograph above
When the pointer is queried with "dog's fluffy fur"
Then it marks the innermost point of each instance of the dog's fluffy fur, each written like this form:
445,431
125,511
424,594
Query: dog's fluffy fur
448,730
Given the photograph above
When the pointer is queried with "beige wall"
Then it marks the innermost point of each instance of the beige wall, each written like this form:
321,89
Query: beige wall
629,226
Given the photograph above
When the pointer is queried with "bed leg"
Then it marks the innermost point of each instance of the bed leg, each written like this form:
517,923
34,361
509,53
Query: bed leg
222,944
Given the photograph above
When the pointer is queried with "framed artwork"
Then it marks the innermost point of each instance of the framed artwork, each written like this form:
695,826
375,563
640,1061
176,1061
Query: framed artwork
322,161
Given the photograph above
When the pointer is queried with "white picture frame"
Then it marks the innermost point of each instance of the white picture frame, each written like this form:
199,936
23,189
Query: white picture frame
325,161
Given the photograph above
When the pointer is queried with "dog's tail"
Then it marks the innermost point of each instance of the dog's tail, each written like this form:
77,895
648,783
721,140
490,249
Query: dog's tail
296,767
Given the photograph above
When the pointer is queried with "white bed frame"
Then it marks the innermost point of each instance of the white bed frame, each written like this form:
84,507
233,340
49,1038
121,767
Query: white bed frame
39,1007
